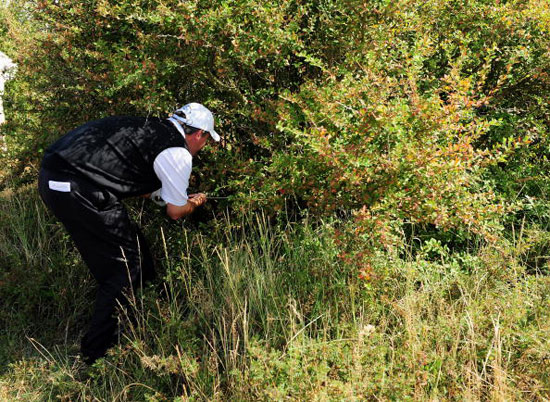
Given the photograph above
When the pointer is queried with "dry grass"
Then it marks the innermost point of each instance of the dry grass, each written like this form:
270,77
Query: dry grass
263,312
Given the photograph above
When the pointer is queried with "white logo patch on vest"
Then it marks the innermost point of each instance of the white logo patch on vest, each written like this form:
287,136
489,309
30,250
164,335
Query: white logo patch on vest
63,186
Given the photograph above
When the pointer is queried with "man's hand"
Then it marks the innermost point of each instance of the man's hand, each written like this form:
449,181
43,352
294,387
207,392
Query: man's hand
194,201
197,199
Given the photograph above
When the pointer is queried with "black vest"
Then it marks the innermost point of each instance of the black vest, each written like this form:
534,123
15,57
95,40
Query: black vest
116,153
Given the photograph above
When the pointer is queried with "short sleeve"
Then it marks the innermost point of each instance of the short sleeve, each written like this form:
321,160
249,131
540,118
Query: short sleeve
173,168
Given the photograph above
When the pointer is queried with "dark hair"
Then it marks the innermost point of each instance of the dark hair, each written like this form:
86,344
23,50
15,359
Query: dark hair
189,129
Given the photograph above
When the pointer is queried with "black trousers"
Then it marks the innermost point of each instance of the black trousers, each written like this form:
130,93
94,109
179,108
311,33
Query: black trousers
111,245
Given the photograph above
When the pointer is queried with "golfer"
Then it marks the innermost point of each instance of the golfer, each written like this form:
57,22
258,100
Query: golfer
85,175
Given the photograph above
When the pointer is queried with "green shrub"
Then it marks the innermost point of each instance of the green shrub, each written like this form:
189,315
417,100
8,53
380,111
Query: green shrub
429,113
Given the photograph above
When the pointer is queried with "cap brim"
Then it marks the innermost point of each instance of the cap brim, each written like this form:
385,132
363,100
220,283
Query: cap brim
215,136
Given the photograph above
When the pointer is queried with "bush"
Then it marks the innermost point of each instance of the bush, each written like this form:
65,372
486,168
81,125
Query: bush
395,113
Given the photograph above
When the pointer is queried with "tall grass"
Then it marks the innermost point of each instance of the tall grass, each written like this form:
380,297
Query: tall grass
255,310
44,286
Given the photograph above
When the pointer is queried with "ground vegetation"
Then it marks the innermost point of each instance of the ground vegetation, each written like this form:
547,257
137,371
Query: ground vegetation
387,231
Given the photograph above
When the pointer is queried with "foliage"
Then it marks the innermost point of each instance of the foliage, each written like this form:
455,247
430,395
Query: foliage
410,138
400,112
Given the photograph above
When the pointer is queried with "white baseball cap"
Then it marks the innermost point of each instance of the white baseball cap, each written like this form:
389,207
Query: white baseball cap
196,115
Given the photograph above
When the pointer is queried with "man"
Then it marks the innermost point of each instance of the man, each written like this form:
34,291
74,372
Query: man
85,175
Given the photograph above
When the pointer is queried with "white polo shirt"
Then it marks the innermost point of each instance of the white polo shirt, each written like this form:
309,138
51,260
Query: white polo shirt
173,168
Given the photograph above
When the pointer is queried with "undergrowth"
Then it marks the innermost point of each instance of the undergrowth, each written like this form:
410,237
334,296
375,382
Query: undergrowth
252,309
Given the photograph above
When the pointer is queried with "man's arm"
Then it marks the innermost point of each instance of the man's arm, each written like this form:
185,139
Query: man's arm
195,200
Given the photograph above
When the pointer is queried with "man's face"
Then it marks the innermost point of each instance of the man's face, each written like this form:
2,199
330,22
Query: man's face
196,141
